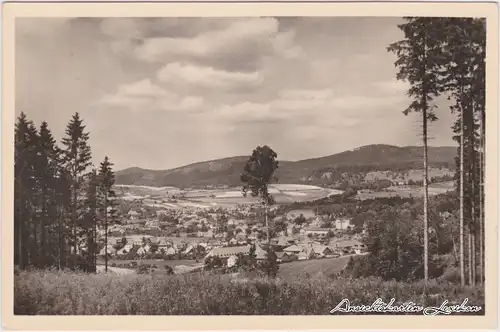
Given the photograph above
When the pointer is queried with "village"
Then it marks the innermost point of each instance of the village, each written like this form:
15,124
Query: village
192,235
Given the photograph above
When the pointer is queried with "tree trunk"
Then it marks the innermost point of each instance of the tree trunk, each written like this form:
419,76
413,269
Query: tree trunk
268,241
34,256
426,193
59,237
462,263
481,204
73,217
21,225
473,195
474,266
106,233
43,244
469,252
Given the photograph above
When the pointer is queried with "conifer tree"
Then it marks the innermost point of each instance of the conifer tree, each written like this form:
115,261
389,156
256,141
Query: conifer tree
419,62
464,49
77,157
47,164
24,185
107,180
90,220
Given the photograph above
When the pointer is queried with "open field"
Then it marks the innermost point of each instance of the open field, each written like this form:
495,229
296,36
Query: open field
66,293
408,191
413,174
179,266
174,198
312,267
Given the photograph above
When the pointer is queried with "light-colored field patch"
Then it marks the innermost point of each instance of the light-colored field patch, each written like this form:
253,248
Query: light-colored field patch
229,194
155,205
131,186
334,192
289,187
206,198
408,191
414,174
295,193
193,205
130,197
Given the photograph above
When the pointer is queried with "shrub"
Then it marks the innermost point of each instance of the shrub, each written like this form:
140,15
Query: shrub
451,274
169,270
143,269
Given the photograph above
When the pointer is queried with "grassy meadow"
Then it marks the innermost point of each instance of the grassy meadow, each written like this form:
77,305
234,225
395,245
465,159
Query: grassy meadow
51,292
312,267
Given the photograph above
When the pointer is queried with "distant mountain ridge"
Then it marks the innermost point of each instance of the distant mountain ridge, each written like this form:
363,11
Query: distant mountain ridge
328,170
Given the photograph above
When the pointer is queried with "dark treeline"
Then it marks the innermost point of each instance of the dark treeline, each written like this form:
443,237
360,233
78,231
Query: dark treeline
60,198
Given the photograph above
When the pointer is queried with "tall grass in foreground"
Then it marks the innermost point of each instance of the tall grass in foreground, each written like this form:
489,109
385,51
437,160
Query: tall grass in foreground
66,293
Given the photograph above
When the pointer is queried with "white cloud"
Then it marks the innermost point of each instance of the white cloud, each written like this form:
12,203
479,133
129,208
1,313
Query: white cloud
146,96
143,88
237,37
392,86
296,94
207,77
284,45
307,86
319,108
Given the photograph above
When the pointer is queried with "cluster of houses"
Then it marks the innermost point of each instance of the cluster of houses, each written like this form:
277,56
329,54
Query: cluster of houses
142,245
287,249
194,228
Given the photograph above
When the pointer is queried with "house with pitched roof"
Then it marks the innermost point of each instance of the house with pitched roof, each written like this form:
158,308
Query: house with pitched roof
317,231
295,249
126,249
111,250
350,246
143,250
323,251
284,257
133,214
226,252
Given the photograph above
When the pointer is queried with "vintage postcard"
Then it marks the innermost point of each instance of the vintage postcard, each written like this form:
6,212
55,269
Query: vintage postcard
322,165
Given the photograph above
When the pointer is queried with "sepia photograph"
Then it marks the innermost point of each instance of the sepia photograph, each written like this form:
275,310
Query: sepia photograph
251,165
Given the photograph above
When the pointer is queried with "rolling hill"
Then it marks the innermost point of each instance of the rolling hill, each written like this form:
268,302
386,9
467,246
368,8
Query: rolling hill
351,165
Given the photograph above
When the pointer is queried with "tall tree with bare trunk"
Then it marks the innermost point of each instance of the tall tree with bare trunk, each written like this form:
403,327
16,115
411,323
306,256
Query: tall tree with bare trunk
419,61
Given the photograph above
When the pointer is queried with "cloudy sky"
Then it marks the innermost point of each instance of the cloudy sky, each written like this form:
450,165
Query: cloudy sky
161,93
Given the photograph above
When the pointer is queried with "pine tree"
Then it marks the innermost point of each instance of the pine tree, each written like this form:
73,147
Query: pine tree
25,143
63,209
107,180
91,219
464,47
77,157
419,62
47,164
